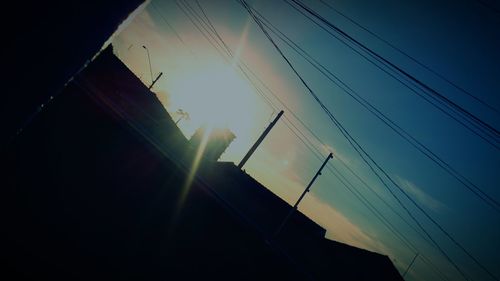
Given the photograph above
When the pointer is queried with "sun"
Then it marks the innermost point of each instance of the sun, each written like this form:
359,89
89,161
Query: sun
216,95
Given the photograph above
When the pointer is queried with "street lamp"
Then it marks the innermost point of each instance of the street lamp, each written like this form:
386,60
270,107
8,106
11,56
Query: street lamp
150,68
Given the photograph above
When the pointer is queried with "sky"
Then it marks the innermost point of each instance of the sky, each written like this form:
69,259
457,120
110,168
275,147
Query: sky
459,40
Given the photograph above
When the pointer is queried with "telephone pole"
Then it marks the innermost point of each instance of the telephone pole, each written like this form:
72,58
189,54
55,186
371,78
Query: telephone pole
295,207
261,138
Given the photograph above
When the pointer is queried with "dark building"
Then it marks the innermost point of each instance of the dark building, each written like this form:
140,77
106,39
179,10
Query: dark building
46,43
95,188
302,239
211,143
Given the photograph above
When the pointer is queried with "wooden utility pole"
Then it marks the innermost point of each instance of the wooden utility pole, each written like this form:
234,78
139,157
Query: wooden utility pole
292,211
261,138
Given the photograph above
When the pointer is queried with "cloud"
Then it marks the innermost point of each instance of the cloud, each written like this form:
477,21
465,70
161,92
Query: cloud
339,227
421,196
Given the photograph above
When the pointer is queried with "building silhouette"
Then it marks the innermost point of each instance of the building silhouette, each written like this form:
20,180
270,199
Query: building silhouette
95,188
212,142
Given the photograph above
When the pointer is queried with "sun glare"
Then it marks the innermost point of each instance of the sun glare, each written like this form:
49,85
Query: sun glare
218,97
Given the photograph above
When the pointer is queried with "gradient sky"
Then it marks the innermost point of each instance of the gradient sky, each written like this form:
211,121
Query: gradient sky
458,39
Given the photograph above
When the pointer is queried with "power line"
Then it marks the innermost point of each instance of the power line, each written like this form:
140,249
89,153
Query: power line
478,126
317,155
340,159
397,234
140,129
169,25
382,117
433,101
207,26
384,220
213,28
271,104
196,21
219,45
228,53
343,131
399,50
359,149
268,102
395,67
320,141
347,135
350,187
193,17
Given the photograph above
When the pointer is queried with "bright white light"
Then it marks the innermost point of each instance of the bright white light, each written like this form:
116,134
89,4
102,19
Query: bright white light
217,96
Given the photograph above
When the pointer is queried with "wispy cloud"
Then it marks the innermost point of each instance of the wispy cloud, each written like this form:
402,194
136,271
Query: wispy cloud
422,197
339,227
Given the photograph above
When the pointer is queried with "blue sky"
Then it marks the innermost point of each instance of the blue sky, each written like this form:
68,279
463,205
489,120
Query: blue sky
458,39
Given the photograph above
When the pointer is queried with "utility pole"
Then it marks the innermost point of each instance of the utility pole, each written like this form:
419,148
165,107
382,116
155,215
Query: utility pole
292,211
158,77
411,263
261,138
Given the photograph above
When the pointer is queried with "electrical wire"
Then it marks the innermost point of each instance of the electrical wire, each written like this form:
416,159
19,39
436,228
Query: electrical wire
470,122
477,191
359,149
410,57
